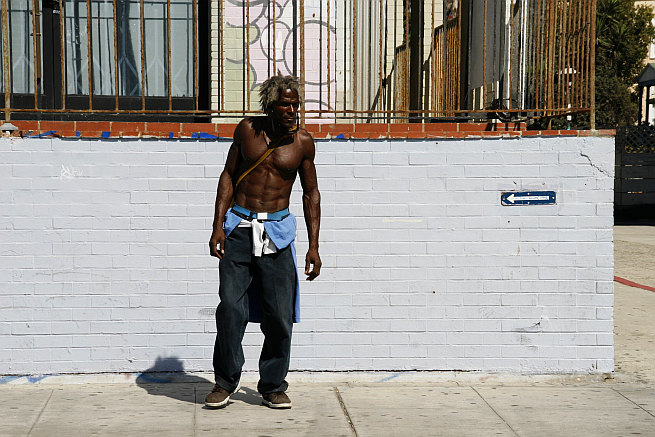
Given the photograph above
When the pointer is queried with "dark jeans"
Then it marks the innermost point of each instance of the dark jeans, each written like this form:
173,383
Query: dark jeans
276,275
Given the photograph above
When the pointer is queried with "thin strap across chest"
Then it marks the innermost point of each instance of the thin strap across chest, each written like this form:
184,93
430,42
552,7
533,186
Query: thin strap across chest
252,167
271,149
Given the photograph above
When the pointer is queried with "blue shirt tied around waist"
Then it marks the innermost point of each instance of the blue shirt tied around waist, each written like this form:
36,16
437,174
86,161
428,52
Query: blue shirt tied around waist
283,234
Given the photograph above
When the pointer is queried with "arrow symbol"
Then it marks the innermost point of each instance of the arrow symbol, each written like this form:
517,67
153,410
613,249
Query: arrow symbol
528,198
512,198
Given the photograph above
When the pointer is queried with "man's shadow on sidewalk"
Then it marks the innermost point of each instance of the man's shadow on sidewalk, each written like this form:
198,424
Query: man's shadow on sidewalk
168,378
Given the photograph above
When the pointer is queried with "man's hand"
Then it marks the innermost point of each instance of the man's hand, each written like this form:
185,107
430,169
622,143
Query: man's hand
217,243
312,258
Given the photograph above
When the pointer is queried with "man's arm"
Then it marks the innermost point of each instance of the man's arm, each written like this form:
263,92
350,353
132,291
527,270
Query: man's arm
224,194
311,203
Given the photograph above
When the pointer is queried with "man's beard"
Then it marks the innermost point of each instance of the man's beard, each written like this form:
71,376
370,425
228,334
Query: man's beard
282,129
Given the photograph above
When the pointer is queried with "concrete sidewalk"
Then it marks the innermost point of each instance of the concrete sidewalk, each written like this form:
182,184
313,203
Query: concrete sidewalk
373,404
405,405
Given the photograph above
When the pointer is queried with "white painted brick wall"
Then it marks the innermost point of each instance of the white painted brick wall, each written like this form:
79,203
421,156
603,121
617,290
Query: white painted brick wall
104,265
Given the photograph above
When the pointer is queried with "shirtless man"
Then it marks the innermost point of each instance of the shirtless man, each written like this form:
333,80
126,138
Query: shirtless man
254,241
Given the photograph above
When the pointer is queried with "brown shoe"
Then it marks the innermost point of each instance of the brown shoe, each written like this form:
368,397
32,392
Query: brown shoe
219,397
277,400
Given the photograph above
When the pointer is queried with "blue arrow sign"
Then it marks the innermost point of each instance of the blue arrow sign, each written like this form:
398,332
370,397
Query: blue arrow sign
515,198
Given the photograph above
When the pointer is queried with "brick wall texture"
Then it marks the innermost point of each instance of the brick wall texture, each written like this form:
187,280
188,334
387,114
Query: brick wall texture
104,264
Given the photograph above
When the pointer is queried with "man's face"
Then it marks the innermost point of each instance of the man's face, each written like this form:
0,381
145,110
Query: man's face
285,110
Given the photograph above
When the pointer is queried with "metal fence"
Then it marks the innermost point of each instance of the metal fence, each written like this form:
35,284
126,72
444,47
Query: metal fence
368,60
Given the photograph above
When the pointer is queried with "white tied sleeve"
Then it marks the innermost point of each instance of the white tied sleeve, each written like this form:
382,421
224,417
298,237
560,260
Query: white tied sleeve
261,242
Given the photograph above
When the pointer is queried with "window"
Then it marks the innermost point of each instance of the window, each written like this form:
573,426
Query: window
106,55
22,60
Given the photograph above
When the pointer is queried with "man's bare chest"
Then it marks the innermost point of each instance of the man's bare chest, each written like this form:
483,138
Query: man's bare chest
285,158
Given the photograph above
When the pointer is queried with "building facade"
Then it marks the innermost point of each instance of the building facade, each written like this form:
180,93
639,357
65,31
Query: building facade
384,61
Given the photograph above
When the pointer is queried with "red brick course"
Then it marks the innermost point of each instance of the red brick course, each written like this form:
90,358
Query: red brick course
95,129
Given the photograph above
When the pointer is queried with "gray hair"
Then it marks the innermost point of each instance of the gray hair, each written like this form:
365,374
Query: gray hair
270,91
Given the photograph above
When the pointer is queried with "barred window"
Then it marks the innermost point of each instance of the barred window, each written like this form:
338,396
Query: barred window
91,55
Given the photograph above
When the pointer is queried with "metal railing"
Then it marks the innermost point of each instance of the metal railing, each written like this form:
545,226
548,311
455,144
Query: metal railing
374,60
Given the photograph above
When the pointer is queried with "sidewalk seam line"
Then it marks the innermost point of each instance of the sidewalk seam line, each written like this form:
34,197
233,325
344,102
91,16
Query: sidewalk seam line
494,410
195,410
630,400
345,411
40,413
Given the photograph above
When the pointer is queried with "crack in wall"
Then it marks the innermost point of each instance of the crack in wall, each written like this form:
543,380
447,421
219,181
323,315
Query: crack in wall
605,172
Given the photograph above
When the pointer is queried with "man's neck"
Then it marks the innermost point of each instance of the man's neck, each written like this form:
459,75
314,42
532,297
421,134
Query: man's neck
280,131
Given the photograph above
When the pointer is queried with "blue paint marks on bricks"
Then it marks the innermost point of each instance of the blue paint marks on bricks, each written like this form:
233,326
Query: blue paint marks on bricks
340,137
30,378
7,379
203,136
106,134
34,379
170,135
78,133
44,134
